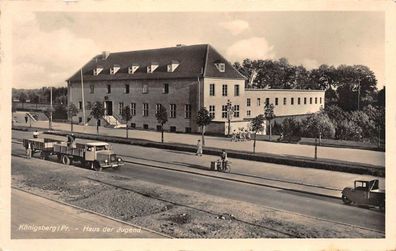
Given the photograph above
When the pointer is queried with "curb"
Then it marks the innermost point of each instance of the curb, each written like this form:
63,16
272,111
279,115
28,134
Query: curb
275,159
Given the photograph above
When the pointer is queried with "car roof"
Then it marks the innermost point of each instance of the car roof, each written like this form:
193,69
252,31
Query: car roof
97,143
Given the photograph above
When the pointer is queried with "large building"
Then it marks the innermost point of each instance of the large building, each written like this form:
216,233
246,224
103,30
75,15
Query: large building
182,79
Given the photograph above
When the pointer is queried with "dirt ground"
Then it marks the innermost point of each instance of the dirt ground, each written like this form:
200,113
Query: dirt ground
178,213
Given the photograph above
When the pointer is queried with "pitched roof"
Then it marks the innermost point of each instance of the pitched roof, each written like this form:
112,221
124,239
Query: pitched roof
194,61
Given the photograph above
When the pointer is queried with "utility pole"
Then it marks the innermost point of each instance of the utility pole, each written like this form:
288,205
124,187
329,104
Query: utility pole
229,115
359,95
316,149
82,97
50,120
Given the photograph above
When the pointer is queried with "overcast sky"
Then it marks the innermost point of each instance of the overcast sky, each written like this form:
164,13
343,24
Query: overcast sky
49,47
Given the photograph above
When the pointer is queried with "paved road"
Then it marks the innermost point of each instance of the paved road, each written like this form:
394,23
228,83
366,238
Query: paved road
331,153
315,206
33,217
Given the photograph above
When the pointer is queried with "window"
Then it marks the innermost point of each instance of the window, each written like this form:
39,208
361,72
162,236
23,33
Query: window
108,88
225,90
172,128
292,101
132,69
236,90
91,89
248,102
173,110
165,89
133,109
187,111
236,111
212,90
188,130
320,100
258,102
298,101
305,101
267,101
284,101
80,105
276,101
79,119
212,111
145,110
145,126
145,88
97,70
224,111
310,101
248,113
220,67
114,69
133,125
157,108
159,127
89,105
120,107
316,100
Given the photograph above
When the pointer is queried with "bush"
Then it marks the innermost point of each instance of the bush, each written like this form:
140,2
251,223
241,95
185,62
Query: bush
367,125
318,123
291,129
349,130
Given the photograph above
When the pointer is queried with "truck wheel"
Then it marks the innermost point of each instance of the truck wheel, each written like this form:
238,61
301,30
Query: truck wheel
346,200
59,157
95,166
66,160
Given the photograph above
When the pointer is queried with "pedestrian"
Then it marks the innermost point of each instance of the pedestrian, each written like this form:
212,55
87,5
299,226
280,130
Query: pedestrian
248,135
199,148
26,118
223,159
233,138
28,151
35,134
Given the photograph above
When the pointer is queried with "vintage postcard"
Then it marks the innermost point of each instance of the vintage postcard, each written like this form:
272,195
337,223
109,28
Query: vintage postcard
168,125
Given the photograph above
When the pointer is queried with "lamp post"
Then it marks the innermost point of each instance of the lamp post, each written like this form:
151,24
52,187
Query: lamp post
230,111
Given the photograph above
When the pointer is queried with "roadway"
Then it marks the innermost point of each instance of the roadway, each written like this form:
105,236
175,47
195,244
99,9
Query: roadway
329,209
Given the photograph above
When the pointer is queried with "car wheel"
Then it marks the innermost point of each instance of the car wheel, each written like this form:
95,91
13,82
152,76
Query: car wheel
346,200
66,160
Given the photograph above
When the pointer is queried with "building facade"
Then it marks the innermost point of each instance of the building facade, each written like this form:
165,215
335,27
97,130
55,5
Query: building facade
182,79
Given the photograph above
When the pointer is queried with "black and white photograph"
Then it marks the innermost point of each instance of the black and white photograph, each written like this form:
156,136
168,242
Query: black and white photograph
154,123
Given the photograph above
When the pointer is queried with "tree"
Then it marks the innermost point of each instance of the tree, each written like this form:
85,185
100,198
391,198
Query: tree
318,125
73,111
269,116
126,114
162,118
203,120
291,129
48,112
256,125
97,112
381,97
35,99
22,98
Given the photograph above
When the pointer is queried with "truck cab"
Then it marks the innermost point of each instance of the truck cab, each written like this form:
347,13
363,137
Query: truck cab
364,192
100,155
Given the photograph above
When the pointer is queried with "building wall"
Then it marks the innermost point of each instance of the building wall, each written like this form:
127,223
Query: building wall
181,92
218,99
281,109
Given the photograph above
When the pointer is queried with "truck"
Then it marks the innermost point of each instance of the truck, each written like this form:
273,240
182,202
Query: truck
94,155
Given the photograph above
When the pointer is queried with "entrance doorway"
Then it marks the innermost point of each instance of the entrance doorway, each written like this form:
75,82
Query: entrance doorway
108,105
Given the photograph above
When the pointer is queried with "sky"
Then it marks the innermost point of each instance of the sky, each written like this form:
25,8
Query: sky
49,47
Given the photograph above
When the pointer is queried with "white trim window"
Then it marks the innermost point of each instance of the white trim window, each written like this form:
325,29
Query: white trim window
224,111
133,109
212,111
212,90
236,111
225,90
187,111
172,110
145,109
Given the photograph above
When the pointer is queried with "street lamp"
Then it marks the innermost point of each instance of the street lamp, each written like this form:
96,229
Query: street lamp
230,112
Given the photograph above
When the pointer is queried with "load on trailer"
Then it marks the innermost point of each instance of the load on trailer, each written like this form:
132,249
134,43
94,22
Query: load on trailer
95,155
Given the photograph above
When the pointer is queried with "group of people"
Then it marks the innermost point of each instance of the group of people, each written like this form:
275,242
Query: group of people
241,135
223,156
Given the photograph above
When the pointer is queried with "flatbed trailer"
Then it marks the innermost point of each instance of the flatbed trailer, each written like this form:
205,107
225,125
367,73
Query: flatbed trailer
44,146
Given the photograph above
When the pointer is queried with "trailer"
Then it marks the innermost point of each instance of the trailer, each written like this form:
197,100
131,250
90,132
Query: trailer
44,146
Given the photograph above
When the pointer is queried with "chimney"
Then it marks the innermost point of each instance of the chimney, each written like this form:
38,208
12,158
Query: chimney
105,55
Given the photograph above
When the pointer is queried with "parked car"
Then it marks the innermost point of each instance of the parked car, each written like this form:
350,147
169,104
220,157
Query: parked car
366,193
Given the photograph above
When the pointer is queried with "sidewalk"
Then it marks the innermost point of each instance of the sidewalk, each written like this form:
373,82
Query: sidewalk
281,149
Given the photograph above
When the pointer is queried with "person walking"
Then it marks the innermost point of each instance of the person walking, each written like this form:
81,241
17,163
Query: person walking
199,148
29,151
26,118
35,134
223,159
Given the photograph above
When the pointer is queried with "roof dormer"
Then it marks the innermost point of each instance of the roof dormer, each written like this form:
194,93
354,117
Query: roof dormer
151,68
97,70
220,66
133,68
114,69
172,66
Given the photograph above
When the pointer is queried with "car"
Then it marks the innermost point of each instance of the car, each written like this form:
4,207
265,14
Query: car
364,193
